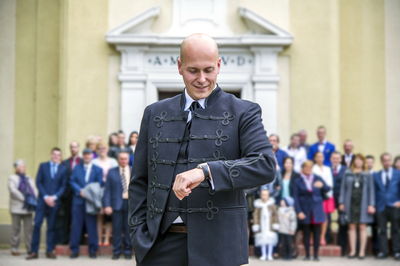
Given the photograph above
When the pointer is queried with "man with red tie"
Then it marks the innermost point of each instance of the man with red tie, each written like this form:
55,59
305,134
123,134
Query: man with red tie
63,222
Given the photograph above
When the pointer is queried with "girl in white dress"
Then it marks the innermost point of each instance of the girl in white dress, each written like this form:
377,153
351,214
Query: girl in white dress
265,224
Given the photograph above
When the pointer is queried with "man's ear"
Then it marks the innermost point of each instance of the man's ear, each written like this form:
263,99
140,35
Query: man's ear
219,64
180,70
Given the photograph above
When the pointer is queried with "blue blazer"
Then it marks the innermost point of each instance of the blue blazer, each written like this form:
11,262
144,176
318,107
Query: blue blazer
387,197
280,156
77,181
328,150
113,190
310,203
51,186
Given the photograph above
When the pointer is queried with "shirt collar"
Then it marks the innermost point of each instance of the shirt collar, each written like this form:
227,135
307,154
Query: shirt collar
189,101
389,171
307,177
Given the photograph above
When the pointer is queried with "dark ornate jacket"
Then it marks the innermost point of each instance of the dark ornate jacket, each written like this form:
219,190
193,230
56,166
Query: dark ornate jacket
229,135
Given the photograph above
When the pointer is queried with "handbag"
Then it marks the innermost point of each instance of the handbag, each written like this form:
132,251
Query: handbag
30,202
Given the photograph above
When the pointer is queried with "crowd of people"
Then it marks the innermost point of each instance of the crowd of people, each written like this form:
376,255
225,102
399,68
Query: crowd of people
88,193
83,195
313,182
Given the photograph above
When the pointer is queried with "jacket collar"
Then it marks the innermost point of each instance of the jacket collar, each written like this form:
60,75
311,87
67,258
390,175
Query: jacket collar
209,101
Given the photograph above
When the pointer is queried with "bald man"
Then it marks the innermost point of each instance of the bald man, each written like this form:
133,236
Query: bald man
196,154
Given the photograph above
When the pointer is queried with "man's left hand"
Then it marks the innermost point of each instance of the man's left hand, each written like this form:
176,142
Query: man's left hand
186,181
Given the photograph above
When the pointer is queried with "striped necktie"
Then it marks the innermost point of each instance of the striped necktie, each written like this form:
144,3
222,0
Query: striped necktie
123,180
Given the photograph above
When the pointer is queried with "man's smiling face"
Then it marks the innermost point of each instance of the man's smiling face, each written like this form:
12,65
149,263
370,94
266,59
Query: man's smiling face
199,65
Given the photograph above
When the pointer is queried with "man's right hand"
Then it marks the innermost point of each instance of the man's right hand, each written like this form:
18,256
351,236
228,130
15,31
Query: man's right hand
81,194
49,201
108,210
301,216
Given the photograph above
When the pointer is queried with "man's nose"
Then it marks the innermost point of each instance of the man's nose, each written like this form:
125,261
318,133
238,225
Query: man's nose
202,77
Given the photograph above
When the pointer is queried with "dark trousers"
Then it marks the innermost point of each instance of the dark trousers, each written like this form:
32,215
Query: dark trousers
392,215
121,231
63,223
79,219
169,249
342,238
50,213
307,230
286,246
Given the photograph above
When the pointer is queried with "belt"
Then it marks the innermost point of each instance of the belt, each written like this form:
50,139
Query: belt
177,229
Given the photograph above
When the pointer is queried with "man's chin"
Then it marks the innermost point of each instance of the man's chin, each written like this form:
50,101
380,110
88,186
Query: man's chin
201,93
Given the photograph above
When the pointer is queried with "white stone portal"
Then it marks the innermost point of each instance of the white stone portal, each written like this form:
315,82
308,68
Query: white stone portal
149,60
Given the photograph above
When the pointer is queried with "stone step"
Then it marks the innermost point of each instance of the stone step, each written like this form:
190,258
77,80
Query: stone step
324,251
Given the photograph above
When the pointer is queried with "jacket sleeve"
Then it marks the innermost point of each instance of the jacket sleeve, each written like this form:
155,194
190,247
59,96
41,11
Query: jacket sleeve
371,190
13,188
39,180
99,176
342,189
326,188
74,182
107,191
64,183
256,165
297,205
139,179
293,222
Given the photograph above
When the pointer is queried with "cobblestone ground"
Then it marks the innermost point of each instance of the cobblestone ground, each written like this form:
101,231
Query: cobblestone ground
7,260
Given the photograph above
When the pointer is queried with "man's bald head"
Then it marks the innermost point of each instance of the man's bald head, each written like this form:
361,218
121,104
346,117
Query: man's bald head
198,41
199,65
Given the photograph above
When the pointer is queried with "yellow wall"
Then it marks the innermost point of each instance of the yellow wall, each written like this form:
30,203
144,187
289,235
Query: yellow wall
363,74
314,69
36,113
83,70
7,98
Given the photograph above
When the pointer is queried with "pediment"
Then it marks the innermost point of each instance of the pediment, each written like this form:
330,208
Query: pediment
138,30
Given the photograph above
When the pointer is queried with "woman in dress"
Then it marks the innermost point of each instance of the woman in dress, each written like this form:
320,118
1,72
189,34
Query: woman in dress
288,175
308,193
105,163
329,202
357,200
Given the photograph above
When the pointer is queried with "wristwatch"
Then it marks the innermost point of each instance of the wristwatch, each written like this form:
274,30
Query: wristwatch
206,170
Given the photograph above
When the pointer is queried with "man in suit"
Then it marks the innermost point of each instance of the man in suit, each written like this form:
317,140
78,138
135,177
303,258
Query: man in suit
196,154
51,184
63,223
387,191
338,171
322,145
82,175
115,203
280,154
348,155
